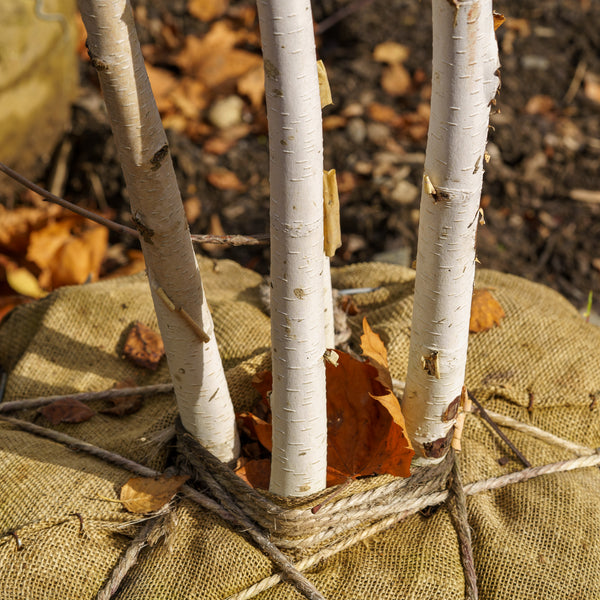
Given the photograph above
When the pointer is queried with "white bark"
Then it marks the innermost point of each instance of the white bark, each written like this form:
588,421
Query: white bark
298,403
196,369
465,61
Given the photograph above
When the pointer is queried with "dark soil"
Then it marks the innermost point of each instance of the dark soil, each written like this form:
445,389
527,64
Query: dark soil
540,152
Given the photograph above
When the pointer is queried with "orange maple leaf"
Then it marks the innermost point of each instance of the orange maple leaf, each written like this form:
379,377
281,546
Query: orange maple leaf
365,433
365,427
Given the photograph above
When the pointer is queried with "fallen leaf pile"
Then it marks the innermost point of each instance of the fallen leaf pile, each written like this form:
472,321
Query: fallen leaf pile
365,427
45,247
210,87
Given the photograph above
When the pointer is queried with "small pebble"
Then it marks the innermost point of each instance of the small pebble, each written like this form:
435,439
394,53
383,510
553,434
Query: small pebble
357,130
378,133
404,192
227,112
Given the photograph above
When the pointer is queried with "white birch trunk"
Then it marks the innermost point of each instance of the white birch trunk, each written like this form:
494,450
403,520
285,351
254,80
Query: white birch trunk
196,369
298,404
465,61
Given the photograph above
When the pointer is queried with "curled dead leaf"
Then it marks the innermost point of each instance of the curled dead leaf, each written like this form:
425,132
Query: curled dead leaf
256,428
17,224
24,282
68,251
498,19
144,347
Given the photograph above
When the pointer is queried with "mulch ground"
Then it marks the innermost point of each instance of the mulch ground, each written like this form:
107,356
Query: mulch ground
541,194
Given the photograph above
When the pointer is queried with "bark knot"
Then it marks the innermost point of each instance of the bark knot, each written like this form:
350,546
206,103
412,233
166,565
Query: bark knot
158,157
431,364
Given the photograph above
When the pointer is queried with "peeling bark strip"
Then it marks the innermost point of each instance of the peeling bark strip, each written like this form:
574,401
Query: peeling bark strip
196,369
452,410
439,447
297,257
465,61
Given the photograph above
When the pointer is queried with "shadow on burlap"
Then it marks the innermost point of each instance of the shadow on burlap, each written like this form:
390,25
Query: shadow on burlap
537,539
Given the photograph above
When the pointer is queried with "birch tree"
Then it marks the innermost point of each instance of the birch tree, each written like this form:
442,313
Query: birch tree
464,83
299,459
183,316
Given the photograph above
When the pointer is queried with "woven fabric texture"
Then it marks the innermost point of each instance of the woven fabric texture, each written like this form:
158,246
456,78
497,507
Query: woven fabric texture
537,539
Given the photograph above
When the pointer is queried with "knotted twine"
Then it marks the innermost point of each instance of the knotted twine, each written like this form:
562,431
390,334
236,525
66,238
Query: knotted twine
587,457
305,530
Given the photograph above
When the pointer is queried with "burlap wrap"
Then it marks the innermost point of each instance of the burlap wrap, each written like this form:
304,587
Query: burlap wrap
534,539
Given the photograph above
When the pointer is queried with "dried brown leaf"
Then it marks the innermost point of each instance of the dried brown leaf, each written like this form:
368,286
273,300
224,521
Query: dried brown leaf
331,122
485,312
213,59
256,472
207,10
68,410
498,19
384,114
144,347
539,105
163,82
17,224
69,251
147,494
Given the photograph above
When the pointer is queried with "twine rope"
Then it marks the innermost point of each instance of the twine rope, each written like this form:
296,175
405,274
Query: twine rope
151,529
429,500
457,507
540,434
415,498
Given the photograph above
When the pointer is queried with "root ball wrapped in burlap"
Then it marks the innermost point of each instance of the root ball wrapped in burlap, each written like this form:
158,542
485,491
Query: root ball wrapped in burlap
535,534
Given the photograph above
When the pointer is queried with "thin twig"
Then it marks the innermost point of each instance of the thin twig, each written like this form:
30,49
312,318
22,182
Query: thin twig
88,214
3,380
147,390
115,459
340,14
191,459
497,429
575,82
230,240
259,239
